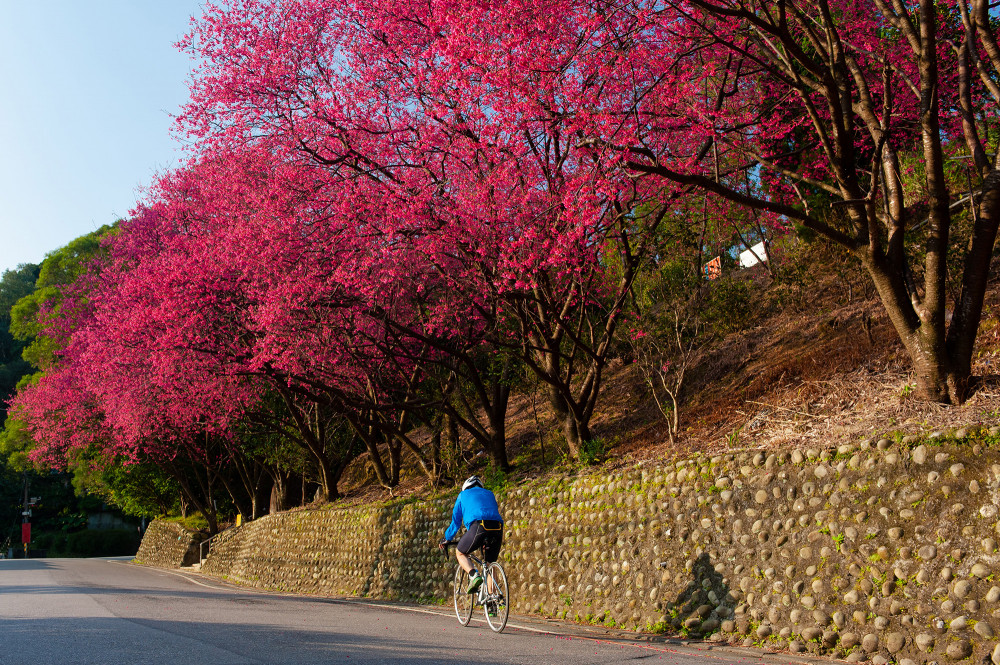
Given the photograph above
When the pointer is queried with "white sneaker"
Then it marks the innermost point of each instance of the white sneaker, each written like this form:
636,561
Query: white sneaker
475,581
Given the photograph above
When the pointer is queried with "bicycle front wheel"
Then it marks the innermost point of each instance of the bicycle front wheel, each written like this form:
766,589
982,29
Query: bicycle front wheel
497,605
464,602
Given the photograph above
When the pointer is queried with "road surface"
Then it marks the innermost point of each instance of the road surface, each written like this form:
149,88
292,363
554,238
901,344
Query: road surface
110,612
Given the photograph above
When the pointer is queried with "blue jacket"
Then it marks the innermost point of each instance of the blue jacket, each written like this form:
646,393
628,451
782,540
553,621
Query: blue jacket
475,503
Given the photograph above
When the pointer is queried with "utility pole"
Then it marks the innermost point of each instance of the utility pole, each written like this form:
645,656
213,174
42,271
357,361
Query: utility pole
26,515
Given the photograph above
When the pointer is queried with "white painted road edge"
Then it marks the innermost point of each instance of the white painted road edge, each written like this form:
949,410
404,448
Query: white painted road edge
345,601
762,657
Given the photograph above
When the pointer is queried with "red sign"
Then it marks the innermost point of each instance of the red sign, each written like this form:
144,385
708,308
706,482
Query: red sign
26,533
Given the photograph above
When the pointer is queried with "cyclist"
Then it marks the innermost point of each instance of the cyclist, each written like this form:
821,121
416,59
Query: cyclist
476,507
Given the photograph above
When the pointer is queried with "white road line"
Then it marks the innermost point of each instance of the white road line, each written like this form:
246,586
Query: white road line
420,610
346,601
193,581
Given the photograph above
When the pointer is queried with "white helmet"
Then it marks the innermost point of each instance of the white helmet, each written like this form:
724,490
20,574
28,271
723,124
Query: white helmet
472,481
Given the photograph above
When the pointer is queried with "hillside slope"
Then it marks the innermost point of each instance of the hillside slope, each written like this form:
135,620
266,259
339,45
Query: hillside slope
824,367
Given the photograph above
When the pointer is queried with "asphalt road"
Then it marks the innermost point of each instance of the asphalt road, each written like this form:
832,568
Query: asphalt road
109,612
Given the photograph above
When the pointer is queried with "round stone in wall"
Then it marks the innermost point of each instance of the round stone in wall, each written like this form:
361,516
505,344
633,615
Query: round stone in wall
811,633
959,650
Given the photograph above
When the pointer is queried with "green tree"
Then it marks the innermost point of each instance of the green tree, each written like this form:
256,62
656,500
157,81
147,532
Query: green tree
14,285
60,269
140,489
28,295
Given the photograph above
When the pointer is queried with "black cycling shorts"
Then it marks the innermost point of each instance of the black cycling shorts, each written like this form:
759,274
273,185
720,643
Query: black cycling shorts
487,534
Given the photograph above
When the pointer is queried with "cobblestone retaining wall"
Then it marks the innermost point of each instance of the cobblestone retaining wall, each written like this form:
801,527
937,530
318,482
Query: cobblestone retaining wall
168,545
881,552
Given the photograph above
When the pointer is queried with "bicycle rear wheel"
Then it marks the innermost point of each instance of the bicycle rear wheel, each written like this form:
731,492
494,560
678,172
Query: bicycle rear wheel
464,602
497,605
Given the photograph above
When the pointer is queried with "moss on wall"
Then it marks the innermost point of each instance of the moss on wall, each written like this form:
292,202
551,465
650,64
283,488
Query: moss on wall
875,551
168,545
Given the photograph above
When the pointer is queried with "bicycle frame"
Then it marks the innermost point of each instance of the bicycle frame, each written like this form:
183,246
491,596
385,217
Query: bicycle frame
493,594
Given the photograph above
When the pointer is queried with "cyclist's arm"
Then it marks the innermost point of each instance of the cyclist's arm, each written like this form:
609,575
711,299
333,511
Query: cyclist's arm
456,521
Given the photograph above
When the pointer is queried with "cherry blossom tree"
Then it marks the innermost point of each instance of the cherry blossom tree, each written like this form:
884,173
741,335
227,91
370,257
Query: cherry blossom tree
871,123
403,110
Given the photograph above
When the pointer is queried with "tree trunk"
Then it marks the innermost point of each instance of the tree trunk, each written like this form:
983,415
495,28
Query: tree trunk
975,278
327,481
498,449
294,486
498,425
243,501
571,430
938,376
371,445
395,460
935,380
435,455
206,508
375,458
261,495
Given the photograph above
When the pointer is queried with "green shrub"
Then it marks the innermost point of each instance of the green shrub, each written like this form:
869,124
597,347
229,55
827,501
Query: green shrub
593,451
728,306
494,478
53,543
193,522
108,542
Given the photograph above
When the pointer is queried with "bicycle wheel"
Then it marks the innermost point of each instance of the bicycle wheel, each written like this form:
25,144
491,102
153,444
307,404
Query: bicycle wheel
497,605
464,602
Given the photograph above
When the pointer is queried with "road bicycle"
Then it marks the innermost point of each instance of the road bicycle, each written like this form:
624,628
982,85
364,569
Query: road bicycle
493,594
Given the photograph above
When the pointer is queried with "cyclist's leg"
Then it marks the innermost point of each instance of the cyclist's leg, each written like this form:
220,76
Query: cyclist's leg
492,543
464,561
468,543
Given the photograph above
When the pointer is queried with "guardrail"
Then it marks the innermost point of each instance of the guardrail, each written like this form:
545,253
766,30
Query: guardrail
201,546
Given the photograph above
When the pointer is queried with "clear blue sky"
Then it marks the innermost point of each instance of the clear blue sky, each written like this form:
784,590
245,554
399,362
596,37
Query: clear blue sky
87,88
